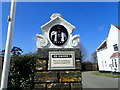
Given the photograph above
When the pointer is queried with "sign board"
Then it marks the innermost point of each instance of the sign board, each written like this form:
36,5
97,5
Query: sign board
61,60
58,35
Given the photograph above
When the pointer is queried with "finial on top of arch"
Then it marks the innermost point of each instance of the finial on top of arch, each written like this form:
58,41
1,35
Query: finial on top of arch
54,15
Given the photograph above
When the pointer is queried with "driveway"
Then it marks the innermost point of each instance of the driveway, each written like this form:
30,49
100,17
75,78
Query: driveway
94,81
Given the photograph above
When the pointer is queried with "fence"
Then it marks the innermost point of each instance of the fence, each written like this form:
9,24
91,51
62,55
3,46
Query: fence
89,67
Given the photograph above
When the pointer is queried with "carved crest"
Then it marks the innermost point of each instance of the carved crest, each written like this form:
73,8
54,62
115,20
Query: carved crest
57,33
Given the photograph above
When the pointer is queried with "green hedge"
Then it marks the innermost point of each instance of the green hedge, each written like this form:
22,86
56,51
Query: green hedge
22,68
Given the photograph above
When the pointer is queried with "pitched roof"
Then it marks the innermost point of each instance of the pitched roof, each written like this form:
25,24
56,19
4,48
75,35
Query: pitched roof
117,54
118,27
102,46
58,18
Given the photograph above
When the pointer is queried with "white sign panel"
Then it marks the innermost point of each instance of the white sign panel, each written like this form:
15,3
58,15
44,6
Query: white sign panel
61,60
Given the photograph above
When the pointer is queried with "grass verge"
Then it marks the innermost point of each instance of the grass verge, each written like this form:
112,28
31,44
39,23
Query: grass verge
107,75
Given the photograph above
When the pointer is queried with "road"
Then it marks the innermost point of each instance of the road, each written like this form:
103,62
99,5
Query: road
94,81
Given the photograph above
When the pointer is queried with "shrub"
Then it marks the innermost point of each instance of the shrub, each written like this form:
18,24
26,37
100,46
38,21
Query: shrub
22,68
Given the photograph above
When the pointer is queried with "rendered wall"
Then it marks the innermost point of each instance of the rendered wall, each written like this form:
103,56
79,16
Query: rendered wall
105,54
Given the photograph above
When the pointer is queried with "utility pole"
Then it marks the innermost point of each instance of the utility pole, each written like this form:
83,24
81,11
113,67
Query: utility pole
5,71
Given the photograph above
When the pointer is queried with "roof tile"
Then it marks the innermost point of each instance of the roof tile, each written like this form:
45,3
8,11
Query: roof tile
117,54
104,45
118,27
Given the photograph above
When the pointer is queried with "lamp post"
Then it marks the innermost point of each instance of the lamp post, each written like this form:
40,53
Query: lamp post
5,71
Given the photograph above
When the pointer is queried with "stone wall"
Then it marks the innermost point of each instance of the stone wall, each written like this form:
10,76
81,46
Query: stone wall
57,79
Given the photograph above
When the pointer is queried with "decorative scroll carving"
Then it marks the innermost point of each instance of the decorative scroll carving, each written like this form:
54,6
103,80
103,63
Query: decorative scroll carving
41,41
75,40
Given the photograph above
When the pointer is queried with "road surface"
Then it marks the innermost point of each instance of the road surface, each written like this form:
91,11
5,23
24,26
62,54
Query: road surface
94,81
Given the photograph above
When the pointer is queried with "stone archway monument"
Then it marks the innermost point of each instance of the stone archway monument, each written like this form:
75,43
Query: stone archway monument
58,66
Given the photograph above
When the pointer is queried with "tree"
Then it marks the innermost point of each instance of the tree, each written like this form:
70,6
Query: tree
83,53
2,53
94,57
22,69
14,51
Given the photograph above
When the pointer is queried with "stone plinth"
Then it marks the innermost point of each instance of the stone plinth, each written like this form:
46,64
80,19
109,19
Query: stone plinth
70,76
69,79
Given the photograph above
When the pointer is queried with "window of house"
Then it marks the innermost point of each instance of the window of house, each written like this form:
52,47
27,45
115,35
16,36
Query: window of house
115,47
112,63
106,63
115,63
119,61
102,64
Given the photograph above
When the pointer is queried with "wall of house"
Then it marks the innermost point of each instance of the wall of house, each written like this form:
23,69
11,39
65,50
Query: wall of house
115,68
112,40
101,59
119,64
119,50
118,69
104,60
119,40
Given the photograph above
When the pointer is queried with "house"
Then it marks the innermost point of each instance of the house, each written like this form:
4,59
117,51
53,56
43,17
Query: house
1,66
108,53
